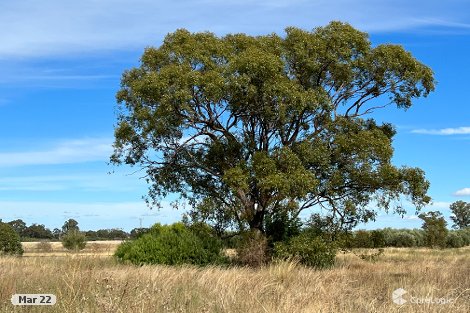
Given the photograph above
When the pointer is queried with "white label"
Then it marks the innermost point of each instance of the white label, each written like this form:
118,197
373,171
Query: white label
33,299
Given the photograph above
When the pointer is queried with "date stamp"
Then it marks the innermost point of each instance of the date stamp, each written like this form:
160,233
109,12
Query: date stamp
33,299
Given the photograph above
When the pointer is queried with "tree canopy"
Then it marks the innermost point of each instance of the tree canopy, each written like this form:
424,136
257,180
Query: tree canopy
70,225
249,126
460,214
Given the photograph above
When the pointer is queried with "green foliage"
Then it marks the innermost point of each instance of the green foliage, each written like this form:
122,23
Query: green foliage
74,240
461,214
173,245
454,240
310,251
106,234
138,232
9,240
70,225
280,226
465,235
368,239
246,126
434,226
403,239
37,231
19,226
362,239
378,238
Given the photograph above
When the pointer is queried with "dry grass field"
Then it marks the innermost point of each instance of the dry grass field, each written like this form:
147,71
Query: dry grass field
87,283
94,248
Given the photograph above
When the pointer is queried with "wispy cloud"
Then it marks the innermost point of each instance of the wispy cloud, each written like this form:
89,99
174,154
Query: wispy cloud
443,131
88,182
34,28
462,192
438,205
67,152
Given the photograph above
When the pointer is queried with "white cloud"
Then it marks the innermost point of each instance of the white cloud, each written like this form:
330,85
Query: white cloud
72,151
438,205
443,131
462,192
32,28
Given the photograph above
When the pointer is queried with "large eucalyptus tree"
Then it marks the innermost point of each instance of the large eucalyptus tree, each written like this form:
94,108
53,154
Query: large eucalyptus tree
246,127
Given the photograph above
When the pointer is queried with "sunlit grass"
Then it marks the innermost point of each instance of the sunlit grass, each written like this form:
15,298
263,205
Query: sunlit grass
100,284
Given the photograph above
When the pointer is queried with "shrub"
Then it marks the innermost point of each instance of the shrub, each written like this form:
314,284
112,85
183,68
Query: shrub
362,239
454,240
389,236
403,239
378,238
281,226
9,240
465,234
74,240
252,249
310,251
420,237
172,245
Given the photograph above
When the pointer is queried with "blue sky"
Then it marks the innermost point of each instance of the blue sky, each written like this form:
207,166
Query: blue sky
60,67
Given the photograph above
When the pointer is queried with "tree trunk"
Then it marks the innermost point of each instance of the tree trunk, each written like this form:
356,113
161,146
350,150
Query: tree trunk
257,221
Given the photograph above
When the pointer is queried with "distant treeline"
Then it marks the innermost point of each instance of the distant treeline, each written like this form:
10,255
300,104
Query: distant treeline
390,237
379,238
36,232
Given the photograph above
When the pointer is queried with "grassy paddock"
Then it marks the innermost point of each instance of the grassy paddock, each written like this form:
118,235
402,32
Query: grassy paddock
97,284
92,248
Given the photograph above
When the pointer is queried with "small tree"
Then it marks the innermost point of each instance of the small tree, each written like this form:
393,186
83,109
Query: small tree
69,225
461,217
19,226
435,229
9,240
74,240
37,231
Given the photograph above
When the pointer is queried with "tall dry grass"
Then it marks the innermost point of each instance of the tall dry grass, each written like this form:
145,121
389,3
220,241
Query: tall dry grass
97,284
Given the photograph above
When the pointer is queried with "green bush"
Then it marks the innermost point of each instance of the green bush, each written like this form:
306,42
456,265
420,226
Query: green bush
9,240
420,237
172,245
378,238
310,251
454,240
362,239
74,240
465,235
281,226
403,239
